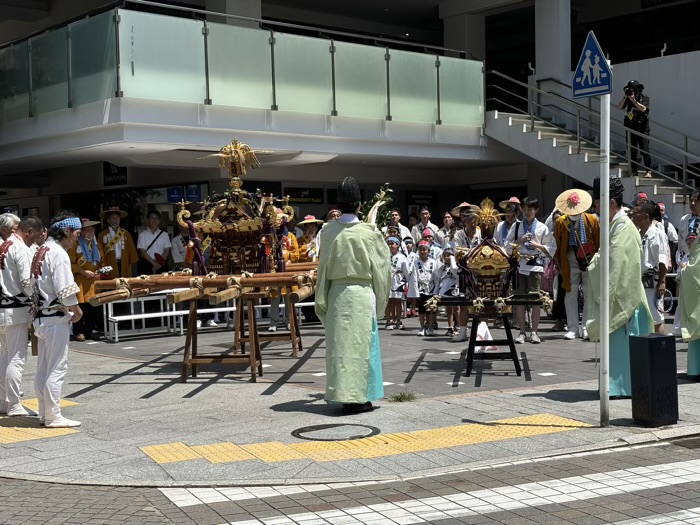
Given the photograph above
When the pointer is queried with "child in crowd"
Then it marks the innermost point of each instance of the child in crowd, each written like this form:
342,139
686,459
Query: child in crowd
445,284
399,278
421,287
435,250
411,257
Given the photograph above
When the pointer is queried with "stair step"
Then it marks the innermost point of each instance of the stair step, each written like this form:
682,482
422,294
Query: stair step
666,190
539,126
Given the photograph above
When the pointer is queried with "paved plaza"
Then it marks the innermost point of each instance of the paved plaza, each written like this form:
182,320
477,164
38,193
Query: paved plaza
221,449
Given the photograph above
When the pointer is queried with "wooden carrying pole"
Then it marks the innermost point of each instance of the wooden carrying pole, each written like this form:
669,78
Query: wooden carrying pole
302,293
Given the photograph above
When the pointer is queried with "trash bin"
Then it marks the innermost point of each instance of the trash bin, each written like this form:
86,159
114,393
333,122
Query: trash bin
654,381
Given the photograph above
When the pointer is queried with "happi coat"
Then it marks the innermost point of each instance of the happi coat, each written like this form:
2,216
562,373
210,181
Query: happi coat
353,283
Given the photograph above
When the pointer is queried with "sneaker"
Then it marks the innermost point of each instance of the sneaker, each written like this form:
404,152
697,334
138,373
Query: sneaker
648,175
430,332
585,335
390,327
421,333
271,328
400,326
521,338
61,422
449,332
534,338
199,323
19,410
558,326
570,336
211,323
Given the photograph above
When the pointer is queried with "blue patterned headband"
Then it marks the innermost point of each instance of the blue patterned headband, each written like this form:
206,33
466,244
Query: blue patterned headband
71,222
394,240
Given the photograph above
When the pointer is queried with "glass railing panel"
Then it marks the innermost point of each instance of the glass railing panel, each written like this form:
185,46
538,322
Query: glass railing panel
240,71
461,92
360,80
93,59
50,71
413,87
303,74
161,57
14,82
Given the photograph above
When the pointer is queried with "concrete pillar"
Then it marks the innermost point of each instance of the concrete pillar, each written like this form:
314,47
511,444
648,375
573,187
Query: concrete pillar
553,39
466,31
249,8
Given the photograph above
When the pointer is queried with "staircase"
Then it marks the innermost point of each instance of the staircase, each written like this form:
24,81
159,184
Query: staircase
549,140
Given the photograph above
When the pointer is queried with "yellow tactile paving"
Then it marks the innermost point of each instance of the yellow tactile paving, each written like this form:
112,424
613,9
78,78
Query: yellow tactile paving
372,447
170,453
325,450
19,429
33,404
273,451
222,453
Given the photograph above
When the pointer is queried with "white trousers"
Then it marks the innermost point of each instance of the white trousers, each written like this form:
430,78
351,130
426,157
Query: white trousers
651,303
51,367
13,356
571,299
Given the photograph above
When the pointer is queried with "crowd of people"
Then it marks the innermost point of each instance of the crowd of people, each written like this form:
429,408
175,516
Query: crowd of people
554,256
47,276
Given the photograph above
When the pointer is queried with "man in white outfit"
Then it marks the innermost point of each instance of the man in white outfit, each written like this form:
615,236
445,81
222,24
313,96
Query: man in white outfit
15,293
56,307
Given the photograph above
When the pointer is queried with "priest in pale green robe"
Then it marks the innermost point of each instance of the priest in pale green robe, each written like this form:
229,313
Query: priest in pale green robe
629,313
689,277
353,283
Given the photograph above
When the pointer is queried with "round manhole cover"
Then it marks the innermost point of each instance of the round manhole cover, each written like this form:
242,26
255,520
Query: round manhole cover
335,432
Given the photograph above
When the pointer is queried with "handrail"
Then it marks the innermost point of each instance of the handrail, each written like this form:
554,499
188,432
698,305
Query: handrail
467,55
299,26
534,106
563,84
58,25
596,113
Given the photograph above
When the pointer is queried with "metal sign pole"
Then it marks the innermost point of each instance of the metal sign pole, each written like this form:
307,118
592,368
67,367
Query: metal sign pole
604,376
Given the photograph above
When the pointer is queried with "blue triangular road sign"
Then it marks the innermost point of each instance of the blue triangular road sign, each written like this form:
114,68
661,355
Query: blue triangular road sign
592,75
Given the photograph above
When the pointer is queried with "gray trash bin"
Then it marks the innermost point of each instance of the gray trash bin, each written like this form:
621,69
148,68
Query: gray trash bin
654,380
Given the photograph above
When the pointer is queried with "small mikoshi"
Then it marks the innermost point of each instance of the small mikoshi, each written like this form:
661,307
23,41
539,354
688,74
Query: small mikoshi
490,268
245,231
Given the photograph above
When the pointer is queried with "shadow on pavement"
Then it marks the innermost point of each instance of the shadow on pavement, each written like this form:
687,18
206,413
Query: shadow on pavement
567,396
310,405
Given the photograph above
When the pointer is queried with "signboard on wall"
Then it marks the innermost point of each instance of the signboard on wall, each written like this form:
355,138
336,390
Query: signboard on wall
113,175
193,193
304,195
175,193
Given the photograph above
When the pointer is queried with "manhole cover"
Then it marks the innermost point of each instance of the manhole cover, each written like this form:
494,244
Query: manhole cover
335,432
688,443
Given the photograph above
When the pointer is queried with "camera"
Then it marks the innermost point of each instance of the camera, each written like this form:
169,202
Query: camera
629,92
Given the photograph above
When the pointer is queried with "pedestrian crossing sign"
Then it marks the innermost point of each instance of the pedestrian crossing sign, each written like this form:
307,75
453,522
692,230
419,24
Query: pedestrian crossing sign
592,75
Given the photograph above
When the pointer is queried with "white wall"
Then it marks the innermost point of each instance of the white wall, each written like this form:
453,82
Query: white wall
672,85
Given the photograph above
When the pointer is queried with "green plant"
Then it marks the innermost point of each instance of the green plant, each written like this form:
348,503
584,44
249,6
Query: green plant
402,397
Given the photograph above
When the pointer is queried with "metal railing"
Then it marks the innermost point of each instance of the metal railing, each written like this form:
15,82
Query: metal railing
131,53
583,122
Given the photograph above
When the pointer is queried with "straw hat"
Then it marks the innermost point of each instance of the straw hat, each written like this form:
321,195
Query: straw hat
309,219
113,209
88,222
512,200
457,210
574,202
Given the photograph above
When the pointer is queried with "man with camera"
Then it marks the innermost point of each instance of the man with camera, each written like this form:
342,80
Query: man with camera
636,105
